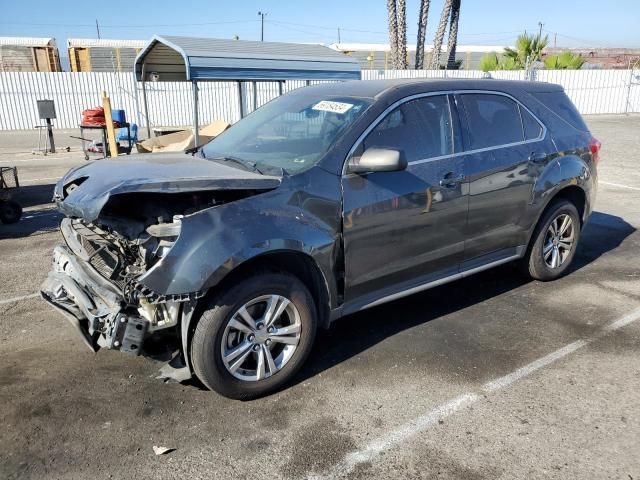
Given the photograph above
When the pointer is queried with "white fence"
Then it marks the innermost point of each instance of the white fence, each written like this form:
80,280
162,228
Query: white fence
170,104
592,91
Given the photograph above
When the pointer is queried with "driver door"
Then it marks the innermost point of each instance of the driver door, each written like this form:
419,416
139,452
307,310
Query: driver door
405,228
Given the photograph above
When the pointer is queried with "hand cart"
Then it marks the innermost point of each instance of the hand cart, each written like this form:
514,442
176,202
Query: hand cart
105,144
10,210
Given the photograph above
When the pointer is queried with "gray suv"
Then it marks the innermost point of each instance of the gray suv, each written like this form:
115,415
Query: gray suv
326,201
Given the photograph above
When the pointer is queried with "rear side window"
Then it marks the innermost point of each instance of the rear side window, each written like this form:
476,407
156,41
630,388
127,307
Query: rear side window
493,120
530,125
559,103
418,129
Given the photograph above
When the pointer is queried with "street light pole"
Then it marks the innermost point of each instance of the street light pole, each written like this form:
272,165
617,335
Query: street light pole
262,15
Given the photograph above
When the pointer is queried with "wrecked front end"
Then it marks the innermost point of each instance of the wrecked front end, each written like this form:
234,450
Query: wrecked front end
94,283
120,228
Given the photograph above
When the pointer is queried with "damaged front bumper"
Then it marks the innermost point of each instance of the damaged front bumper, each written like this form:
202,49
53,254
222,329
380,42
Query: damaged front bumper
93,305
94,284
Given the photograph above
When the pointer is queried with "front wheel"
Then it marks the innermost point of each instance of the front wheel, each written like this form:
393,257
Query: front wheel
254,335
554,242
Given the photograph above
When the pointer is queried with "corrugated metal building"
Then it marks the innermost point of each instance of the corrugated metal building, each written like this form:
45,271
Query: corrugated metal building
102,55
29,54
171,58
375,56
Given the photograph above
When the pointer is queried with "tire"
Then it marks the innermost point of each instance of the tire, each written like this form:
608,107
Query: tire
10,211
216,335
539,261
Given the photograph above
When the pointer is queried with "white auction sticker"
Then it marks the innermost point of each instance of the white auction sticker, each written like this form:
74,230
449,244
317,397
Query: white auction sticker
335,107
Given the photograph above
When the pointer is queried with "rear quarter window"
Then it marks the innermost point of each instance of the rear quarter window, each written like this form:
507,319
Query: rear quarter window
559,103
530,125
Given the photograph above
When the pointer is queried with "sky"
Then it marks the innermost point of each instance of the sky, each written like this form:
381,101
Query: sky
569,23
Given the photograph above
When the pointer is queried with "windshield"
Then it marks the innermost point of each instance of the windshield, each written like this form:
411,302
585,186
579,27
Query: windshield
292,132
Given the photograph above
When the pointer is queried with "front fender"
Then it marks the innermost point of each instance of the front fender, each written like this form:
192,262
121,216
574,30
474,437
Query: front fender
215,241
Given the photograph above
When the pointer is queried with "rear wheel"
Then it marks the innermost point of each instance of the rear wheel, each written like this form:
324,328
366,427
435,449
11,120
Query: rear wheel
254,336
554,242
10,211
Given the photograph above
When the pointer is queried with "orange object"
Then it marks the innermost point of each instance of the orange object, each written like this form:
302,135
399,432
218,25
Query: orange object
95,117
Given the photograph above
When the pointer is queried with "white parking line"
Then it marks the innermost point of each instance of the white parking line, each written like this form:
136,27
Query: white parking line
619,185
35,160
39,179
19,299
423,422
27,214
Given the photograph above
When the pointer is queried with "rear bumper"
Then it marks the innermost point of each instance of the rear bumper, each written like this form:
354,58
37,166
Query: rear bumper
92,304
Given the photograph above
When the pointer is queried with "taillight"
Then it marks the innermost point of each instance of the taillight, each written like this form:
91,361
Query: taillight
594,147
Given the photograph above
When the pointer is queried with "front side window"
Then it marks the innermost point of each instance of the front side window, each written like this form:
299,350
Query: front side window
419,129
493,120
292,132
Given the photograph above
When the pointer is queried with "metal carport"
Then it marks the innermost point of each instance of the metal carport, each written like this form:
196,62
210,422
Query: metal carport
187,59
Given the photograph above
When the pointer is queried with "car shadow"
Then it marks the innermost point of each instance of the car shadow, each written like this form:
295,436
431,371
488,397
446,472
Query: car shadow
33,195
602,233
35,221
356,333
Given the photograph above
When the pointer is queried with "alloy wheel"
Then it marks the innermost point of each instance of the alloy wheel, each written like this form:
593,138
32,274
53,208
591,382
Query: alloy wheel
261,337
558,241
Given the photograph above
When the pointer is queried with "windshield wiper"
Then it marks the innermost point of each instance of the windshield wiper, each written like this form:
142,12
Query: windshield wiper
246,164
194,150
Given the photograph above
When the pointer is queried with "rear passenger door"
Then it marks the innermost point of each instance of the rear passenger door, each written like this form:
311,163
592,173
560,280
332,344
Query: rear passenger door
505,150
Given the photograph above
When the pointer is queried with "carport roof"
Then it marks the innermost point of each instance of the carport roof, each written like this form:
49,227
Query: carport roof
186,59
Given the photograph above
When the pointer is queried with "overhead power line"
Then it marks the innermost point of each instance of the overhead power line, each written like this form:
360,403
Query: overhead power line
92,25
346,29
586,42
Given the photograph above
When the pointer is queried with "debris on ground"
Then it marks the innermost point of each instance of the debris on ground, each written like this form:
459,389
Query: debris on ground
162,450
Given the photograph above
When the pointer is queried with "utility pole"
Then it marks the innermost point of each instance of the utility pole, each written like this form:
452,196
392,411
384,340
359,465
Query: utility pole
339,35
540,24
555,39
98,28
262,15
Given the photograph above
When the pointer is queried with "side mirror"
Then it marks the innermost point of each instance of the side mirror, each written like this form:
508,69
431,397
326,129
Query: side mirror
377,160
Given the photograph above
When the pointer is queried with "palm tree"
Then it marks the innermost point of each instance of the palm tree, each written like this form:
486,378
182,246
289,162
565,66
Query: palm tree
490,62
564,61
393,32
528,50
422,30
402,34
453,34
437,43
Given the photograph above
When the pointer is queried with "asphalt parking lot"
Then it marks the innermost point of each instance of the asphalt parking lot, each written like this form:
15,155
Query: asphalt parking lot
490,377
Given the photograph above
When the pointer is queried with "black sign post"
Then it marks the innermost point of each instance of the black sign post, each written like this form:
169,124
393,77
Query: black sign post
47,112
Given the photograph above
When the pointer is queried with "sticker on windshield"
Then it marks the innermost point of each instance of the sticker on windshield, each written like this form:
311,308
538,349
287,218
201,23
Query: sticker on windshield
334,107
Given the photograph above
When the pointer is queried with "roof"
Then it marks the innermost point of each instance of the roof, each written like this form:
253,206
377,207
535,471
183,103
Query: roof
186,58
384,47
375,88
104,42
28,41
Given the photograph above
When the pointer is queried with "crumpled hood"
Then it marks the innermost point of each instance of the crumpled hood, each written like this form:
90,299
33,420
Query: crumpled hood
158,173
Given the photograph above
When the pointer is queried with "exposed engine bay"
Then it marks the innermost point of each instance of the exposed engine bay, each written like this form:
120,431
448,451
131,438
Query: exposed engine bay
118,310
95,280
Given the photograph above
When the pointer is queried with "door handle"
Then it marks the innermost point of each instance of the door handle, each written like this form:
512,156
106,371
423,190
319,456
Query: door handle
538,157
449,181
